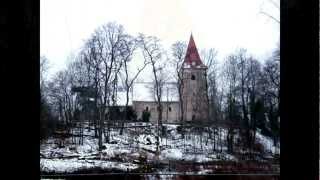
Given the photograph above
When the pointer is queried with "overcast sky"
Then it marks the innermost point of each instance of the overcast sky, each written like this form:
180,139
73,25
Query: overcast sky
221,24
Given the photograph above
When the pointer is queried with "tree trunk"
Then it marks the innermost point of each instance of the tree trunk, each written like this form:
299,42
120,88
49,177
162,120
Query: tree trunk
230,140
125,112
214,138
100,130
96,121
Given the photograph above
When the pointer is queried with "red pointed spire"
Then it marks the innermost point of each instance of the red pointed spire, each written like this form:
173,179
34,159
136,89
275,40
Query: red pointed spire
192,56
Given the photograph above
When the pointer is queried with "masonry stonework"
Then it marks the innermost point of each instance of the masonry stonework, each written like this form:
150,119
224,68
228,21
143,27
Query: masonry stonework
170,112
194,91
194,95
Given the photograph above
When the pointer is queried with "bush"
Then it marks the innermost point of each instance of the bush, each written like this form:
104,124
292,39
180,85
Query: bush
117,114
146,116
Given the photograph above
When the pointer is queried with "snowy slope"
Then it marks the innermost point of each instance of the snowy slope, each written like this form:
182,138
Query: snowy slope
136,142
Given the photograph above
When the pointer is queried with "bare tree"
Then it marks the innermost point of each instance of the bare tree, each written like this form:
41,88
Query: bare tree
62,99
209,58
230,75
242,65
152,53
130,44
108,43
47,120
271,90
178,52
80,82
60,91
93,67
254,93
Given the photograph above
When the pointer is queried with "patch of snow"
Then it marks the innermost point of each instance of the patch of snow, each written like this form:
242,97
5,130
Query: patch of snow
171,154
71,165
142,92
59,166
89,146
267,143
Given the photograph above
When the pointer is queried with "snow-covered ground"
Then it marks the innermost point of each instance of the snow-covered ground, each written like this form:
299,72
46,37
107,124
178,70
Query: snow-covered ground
71,165
126,150
267,143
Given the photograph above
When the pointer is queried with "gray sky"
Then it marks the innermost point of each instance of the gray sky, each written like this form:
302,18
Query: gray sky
221,24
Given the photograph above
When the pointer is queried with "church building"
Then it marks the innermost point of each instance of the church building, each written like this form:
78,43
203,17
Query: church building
194,86
194,100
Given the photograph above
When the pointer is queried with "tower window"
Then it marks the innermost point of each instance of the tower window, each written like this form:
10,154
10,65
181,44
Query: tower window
169,109
193,77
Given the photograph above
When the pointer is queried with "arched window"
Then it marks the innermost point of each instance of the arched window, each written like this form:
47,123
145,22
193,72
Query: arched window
193,77
169,109
147,108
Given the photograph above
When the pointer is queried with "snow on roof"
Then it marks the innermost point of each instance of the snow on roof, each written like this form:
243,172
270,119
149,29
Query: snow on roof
143,92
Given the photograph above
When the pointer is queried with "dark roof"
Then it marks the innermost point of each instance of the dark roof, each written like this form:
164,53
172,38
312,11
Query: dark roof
192,54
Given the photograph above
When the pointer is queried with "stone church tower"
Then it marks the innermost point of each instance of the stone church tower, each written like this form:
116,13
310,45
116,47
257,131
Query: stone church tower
194,86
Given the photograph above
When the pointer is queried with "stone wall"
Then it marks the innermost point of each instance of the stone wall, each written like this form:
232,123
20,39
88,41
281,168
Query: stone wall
170,113
194,94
